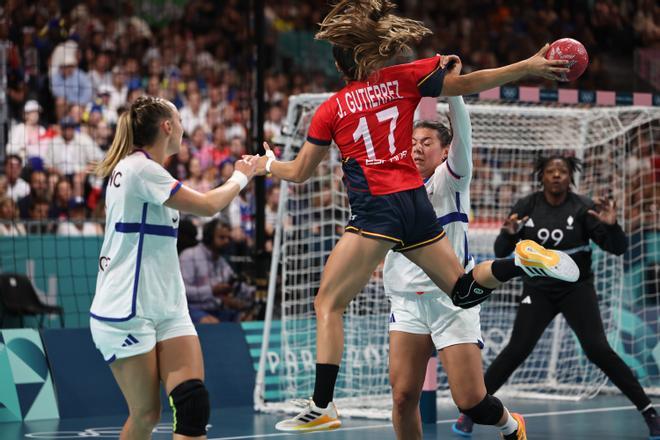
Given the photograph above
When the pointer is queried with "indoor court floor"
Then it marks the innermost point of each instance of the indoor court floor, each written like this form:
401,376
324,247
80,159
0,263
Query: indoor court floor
602,418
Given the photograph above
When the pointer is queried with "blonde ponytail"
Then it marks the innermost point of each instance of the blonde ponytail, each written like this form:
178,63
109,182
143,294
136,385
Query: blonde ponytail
366,33
137,127
122,145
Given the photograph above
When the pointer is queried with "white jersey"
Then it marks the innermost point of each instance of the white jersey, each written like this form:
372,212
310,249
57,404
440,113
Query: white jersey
139,272
449,191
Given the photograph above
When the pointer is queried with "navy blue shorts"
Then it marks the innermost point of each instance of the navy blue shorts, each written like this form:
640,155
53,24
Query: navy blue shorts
405,218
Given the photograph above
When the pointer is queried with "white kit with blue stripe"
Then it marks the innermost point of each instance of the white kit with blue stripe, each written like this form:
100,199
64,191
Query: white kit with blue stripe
139,274
449,191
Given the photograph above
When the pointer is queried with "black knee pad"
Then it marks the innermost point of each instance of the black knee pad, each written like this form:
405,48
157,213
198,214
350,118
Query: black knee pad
487,412
190,408
468,293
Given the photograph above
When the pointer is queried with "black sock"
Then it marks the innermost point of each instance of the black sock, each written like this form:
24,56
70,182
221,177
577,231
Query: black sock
324,386
650,412
505,269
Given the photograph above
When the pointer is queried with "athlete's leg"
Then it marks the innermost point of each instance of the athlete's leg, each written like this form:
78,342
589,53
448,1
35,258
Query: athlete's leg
440,263
409,355
347,271
138,380
580,308
463,365
531,320
182,372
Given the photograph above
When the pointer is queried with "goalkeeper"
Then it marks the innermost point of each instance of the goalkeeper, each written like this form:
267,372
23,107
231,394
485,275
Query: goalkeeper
560,219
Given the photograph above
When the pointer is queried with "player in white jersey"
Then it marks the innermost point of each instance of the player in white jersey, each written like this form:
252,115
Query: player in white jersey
139,316
422,316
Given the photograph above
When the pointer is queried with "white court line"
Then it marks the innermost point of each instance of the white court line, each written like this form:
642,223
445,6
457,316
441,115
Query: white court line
439,422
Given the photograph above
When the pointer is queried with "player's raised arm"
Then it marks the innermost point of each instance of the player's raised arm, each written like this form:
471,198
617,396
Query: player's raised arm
460,150
481,80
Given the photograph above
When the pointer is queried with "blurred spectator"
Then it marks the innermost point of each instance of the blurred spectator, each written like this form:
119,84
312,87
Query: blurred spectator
69,82
71,152
26,138
39,222
16,186
59,208
193,113
38,189
210,281
8,225
77,223
195,179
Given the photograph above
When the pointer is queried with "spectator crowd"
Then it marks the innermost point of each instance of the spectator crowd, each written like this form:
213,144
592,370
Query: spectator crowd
73,67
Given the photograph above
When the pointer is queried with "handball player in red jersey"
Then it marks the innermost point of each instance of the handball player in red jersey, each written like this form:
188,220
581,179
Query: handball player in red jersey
371,121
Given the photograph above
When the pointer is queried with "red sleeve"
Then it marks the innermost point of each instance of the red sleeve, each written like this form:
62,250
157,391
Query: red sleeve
428,75
320,129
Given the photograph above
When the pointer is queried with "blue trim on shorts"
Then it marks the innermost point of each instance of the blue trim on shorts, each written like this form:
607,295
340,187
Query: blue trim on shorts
142,230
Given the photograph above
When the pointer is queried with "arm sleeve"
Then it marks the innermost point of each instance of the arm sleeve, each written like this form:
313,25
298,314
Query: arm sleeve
505,243
610,238
459,160
320,129
196,294
156,184
428,75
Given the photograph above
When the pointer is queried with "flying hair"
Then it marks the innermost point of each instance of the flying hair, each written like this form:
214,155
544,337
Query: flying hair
366,33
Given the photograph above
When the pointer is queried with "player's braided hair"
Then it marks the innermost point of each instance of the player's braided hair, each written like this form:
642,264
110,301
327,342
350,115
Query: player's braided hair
137,127
573,163
443,132
365,33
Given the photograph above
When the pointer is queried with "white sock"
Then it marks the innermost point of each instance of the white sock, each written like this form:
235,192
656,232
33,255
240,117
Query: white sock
510,426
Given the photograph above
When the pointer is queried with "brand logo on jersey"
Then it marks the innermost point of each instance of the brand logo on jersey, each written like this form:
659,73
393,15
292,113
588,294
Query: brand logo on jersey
569,222
529,223
392,318
353,217
175,219
526,300
104,262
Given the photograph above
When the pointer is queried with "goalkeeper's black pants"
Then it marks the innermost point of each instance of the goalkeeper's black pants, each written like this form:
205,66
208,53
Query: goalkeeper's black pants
580,308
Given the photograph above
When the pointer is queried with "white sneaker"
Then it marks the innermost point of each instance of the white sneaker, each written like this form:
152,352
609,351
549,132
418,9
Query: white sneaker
312,418
538,261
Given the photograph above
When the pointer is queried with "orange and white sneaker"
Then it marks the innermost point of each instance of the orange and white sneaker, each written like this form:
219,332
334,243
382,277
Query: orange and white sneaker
520,433
312,418
538,261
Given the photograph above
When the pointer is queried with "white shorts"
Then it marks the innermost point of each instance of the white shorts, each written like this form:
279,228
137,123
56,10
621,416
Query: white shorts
434,314
117,340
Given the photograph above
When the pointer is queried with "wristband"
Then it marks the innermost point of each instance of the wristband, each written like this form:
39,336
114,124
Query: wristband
239,178
269,162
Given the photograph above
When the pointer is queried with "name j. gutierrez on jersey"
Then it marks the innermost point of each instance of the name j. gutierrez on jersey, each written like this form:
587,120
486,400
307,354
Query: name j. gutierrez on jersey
366,98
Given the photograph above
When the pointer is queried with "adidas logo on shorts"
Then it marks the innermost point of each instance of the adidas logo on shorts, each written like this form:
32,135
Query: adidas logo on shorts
130,340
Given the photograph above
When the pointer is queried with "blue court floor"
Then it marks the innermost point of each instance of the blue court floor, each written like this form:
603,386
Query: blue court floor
603,418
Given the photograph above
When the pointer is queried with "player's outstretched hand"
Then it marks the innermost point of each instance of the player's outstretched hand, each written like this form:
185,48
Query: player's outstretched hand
538,65
247,165
452,63
513,225
605,210
261,162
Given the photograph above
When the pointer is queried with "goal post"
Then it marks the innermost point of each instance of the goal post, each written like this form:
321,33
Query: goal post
616,145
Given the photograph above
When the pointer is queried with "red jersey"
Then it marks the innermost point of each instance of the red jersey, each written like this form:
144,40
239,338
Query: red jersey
372,121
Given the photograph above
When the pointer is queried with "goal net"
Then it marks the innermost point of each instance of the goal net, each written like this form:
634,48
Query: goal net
617,146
